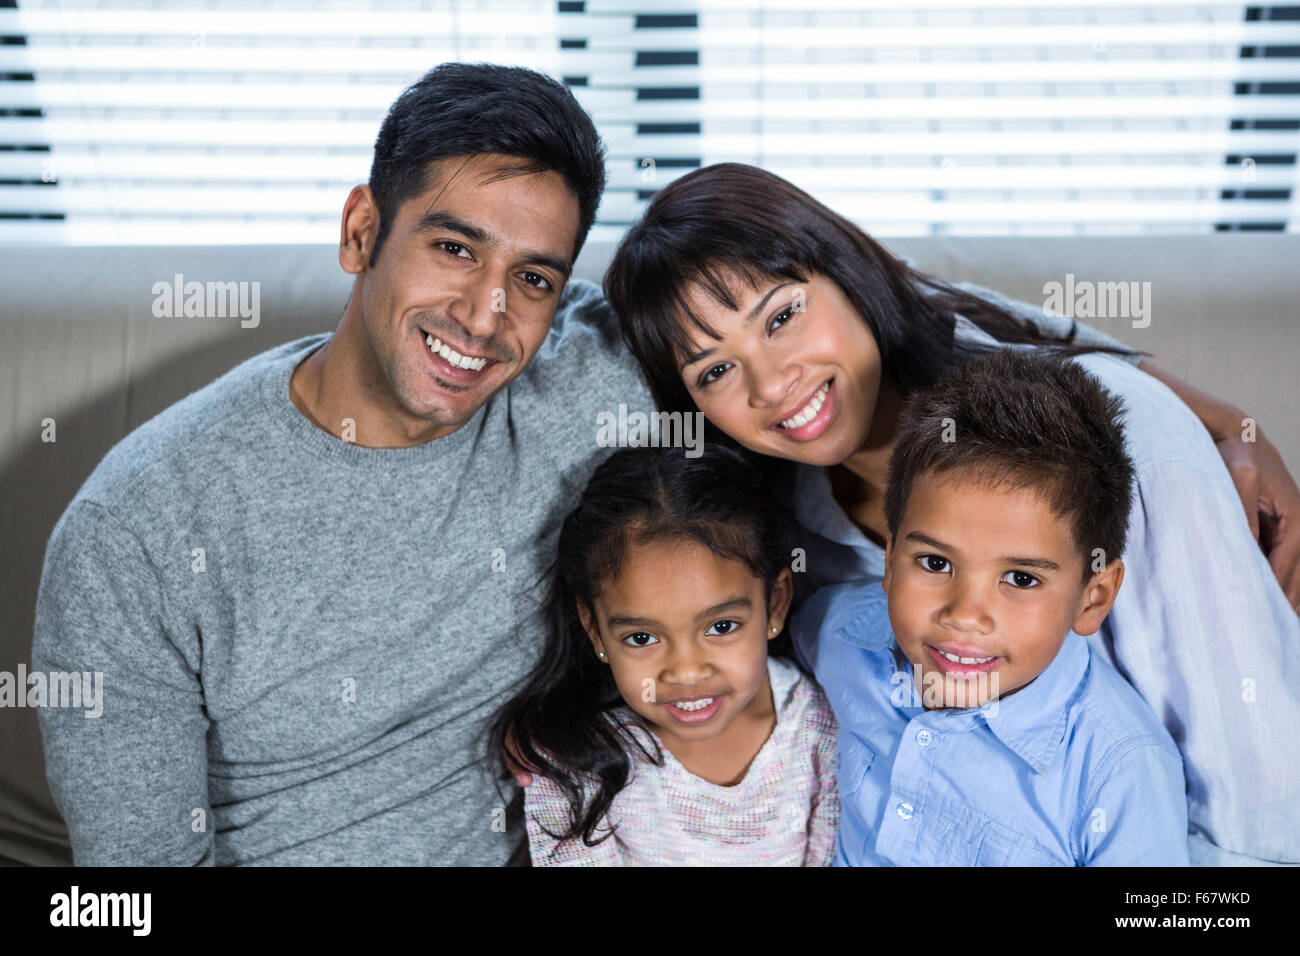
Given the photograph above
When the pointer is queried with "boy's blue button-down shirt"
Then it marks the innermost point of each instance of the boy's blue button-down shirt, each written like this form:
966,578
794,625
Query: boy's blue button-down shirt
1073,769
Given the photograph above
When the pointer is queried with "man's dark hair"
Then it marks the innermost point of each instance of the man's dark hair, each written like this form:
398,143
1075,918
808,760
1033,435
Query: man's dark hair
1030,420
466,109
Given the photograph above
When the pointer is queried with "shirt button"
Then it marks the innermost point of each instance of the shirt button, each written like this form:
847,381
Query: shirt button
923,737
905,811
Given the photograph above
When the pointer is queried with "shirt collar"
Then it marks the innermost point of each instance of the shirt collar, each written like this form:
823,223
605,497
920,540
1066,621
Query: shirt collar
1032,721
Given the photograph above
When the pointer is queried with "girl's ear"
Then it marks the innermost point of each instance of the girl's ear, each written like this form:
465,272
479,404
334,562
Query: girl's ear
779,604
589,625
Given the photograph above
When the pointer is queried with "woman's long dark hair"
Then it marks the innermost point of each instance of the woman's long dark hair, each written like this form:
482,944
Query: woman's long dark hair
738,218
559,721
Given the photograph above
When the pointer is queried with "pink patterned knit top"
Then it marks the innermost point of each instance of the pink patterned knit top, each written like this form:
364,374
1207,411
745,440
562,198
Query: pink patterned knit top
783,813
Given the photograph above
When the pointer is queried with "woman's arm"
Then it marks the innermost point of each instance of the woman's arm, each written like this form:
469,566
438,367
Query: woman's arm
1267,490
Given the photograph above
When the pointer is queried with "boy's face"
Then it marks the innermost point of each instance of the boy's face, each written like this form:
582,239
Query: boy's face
990,576
685,633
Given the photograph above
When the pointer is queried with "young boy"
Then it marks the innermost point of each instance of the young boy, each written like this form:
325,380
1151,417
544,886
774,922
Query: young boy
977,726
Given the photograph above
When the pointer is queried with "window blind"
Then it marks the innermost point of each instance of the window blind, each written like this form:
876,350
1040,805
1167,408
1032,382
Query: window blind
168,121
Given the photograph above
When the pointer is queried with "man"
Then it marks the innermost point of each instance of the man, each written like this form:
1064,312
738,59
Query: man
308,585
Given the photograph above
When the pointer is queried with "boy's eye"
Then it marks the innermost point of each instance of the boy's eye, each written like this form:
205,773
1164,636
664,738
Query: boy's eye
640,639
1020,579
932,562
727,627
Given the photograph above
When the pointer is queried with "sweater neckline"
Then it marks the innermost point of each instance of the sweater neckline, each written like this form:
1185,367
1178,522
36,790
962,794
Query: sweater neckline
305,434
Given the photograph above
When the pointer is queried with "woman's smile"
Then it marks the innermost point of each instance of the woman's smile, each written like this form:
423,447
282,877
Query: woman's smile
812,417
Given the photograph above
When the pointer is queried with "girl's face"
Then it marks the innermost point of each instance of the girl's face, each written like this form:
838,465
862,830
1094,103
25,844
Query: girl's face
796,373
685,633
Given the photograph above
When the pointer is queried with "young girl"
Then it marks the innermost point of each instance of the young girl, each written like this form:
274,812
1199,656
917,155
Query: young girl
659,729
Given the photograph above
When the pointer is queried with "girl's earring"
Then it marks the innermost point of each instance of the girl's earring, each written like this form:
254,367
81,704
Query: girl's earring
601,655
774,630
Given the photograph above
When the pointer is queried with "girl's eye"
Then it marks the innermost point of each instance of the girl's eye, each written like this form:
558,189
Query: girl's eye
455,249
727,627
1020,579
932,562
708,378
640,639
536,280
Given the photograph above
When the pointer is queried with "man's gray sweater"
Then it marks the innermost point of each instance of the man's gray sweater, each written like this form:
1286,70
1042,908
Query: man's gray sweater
301,639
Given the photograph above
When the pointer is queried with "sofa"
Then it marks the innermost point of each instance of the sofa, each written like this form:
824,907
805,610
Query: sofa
86,358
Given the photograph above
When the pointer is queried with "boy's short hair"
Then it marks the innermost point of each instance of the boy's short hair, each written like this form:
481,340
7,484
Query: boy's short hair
1030,420
467,109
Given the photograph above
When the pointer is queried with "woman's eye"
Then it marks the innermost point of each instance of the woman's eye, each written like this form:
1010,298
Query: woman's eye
783,316
640,639
536,280
727,627
708,378
455,249
1020,579
932,562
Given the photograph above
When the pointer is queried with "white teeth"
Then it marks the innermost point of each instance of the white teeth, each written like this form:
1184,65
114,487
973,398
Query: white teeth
965,660
693,705
453,357
809,411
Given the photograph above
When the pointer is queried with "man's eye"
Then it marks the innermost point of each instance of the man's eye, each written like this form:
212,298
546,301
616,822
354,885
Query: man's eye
708,378
727,627
536,280
455,249
640,639
932,562
1020,579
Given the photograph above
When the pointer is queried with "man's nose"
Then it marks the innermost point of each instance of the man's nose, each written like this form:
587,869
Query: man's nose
478,303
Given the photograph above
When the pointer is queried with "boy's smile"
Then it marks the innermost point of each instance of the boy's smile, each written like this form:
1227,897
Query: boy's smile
984,583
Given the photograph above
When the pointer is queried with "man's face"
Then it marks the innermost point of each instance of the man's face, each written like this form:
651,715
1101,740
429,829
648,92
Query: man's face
464,288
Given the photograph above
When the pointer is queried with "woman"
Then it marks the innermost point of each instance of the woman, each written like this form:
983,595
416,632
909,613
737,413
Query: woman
800,337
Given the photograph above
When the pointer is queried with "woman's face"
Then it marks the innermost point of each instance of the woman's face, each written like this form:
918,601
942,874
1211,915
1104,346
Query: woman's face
795,374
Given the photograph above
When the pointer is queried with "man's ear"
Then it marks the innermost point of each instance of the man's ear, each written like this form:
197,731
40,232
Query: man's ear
589,625
889,562
779,604
1098,597
358,231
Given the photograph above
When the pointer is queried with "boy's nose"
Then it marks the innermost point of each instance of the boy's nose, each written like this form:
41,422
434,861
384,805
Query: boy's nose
965,611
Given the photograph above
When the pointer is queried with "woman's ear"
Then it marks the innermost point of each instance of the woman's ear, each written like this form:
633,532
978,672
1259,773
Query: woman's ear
1098,597
593,631
778,606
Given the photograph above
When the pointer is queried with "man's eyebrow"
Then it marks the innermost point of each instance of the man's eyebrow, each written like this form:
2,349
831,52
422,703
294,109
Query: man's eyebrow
694,357
1043,564
735,603
438,219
